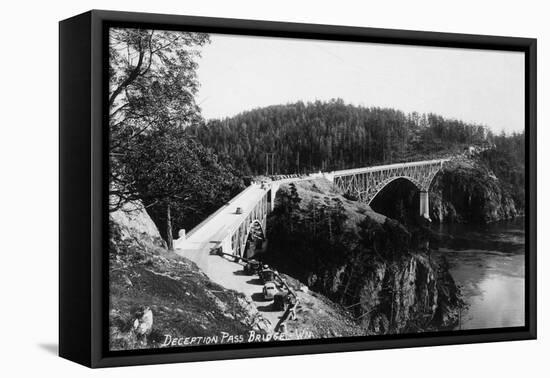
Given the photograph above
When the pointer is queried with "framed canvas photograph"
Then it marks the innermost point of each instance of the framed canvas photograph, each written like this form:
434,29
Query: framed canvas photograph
234,188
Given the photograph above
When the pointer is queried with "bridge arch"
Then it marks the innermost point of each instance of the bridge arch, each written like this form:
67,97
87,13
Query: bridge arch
431,179
252,231
255,234
391,180
397,199
364,184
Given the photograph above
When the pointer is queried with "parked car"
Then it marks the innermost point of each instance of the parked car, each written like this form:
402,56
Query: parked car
216,251
252,267
266,275
270,289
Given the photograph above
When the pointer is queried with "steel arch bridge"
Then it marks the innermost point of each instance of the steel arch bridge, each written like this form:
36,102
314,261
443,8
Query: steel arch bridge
244,216
365,183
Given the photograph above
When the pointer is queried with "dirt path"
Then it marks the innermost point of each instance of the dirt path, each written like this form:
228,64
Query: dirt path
229,275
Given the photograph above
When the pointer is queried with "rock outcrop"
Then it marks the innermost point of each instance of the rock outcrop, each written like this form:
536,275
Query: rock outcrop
466,191
409,295
372,265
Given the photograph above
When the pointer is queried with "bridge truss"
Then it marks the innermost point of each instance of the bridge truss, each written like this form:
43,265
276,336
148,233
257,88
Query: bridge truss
365,183
253,225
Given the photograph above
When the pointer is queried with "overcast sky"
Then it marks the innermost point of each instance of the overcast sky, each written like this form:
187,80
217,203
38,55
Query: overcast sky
238,73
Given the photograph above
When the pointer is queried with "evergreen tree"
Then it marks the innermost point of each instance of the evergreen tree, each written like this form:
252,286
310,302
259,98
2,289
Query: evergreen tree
306,138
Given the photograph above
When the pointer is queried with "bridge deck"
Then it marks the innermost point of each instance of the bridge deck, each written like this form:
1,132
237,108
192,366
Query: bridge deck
376,168
218,225
225,220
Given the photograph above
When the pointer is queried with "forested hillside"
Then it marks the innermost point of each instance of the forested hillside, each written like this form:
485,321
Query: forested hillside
307,137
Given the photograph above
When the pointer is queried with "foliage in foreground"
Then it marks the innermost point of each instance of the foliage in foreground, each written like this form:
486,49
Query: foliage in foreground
152,88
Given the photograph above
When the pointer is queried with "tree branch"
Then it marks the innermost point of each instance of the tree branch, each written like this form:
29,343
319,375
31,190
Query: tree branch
133,75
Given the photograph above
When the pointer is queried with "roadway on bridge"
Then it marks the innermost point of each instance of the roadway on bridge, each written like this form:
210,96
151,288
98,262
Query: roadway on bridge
196,247
221,223
377,168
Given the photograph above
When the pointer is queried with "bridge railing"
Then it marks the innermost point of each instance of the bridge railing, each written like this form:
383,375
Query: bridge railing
377,168
222,208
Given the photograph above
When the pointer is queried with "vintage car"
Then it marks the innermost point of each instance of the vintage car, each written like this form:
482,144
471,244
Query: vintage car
216,251
270,289
252,267
266,275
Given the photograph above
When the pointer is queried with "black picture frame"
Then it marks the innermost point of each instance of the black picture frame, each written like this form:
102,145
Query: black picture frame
83,229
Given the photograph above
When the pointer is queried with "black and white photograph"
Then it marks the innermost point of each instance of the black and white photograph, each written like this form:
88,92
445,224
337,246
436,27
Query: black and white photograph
275,189
265,189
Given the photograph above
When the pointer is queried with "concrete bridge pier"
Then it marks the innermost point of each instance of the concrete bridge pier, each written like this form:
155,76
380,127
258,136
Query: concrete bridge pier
424,204
274,187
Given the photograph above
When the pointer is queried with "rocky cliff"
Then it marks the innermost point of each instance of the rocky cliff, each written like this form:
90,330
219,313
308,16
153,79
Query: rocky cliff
413,293
467,191
370,264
